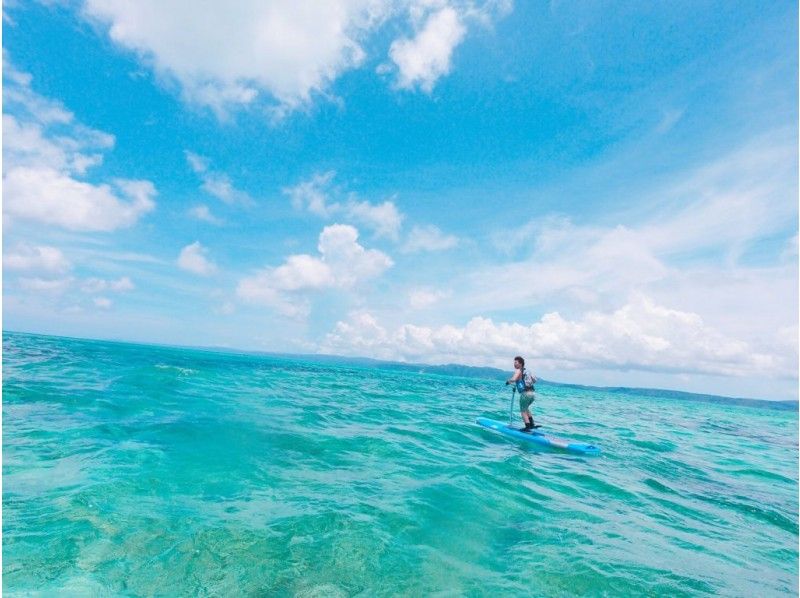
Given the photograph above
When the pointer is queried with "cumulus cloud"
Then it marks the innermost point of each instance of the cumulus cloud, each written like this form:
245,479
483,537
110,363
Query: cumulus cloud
30,139
282,53
349,261
342,263
51,197
216,183
385,219
39,257
424,298
439,27
193,259
204,213
46,152
314,196
223,56
635,297
99,285
640,335
428,238
422,60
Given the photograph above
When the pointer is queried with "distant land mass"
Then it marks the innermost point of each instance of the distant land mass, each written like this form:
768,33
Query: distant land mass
689,396
490,373
450,369
463,371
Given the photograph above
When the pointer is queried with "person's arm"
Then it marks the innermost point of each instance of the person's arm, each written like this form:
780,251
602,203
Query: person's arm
514,378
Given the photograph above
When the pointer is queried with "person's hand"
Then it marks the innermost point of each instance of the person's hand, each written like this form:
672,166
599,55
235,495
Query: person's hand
506,382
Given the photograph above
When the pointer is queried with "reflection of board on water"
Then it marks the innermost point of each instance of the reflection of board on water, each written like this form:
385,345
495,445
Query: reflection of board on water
540,438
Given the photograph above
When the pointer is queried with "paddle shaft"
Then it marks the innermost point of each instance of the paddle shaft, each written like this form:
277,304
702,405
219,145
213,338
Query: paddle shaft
511,407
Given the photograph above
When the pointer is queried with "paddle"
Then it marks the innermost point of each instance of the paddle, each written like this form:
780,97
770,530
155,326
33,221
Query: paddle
511,408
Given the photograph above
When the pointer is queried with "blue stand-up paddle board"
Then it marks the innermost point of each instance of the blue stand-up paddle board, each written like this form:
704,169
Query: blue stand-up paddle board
540,438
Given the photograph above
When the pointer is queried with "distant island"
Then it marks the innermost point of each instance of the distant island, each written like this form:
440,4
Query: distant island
463,371
490,373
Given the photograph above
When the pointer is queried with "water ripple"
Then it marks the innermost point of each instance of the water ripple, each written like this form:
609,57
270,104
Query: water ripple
135,470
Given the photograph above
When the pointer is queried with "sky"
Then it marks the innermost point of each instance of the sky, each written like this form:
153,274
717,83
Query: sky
606,188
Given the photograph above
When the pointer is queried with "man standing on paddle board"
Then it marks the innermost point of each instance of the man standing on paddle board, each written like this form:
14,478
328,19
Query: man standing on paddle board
524,383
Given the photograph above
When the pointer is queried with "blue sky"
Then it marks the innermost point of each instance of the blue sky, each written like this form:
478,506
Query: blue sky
609,189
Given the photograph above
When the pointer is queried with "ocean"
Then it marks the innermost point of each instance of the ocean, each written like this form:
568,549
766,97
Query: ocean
142,470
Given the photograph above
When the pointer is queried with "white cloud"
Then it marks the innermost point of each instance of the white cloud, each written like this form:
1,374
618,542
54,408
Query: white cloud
302,272
54,286
45,152
199,164
349,261
283,52
707,216
215,183
50,197
685,253
98,285
26,143
220,186
102,302
421,61
17,92
667,296
424,298
40,257
193,258
428,238
342,263
313,195
228,55
385,219
204,213
641,335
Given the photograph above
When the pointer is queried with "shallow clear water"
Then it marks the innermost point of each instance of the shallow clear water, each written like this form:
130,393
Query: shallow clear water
142,470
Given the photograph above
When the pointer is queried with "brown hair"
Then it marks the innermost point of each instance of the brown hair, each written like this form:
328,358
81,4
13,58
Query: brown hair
522,361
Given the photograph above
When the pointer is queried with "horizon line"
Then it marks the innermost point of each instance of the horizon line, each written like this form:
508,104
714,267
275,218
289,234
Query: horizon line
219,349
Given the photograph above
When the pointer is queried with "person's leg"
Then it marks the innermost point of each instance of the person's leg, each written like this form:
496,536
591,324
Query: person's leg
531,398
527,426
525,401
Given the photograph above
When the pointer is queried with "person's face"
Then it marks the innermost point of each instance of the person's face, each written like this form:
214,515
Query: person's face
517,364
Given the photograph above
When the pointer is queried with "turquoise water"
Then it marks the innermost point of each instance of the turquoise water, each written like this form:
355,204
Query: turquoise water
141,470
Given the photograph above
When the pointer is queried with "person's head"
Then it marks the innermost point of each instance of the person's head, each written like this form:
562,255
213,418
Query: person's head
519,363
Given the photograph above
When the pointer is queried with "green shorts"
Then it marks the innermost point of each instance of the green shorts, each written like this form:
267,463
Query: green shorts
525,399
